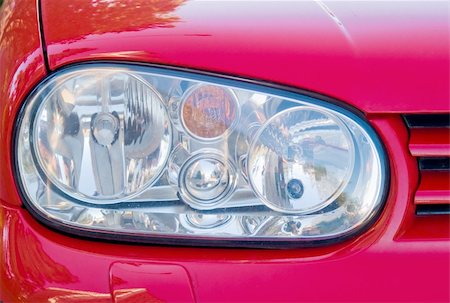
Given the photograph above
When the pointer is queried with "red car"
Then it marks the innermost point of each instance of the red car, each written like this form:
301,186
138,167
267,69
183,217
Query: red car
205,151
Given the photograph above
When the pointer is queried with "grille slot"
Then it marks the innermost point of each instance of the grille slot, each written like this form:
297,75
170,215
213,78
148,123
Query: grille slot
435,120
429,142
434,163
425,210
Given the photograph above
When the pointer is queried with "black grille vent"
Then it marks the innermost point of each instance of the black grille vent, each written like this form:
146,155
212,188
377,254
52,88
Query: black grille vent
429,142
437,209
434,163
422,120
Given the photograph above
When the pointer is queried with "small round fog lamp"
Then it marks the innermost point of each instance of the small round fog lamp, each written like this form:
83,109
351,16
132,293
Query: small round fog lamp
206,180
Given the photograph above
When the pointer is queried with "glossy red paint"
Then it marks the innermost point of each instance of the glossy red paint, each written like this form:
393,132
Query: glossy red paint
434,188
21,67
378,56
344,53
430,142
150,282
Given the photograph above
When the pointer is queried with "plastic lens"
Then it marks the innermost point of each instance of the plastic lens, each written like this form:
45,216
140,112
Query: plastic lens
102,136
206,180
209,111
96,150
300,160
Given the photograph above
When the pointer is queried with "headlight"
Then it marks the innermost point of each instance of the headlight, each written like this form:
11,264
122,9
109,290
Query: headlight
155,155
101,137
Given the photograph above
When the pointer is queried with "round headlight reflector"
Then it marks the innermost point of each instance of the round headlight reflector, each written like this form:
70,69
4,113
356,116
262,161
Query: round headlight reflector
300,160
101,136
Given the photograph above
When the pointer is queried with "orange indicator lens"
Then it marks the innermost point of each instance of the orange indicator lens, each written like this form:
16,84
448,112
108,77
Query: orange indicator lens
209,111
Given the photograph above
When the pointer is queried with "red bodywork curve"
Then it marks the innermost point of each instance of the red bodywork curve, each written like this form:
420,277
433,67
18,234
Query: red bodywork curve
21,68
377,56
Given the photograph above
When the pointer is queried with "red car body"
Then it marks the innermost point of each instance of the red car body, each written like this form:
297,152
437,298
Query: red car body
384,59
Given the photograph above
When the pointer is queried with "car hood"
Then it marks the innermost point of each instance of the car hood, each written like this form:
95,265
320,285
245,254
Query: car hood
377,56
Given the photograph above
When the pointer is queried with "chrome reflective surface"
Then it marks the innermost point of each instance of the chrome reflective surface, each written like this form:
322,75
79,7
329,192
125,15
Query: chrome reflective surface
284,166
101,135
206,180
301,160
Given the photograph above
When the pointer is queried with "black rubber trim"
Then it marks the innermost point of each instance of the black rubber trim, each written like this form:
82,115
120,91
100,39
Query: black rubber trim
427,120
433,209
441,163
99,235
42,35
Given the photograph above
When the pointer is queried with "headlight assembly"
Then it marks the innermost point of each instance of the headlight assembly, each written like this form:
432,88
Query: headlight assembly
157,155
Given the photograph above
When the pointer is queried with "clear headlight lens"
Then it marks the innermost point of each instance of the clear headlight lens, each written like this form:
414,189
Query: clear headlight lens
102,136
301,160
159,154
206,180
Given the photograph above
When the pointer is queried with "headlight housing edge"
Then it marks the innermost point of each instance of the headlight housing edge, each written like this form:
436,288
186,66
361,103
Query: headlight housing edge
52,221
